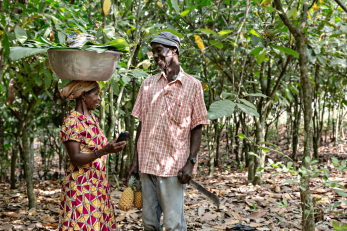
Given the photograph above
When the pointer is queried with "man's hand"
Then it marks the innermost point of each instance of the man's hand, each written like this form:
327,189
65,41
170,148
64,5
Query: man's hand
186,173
132,171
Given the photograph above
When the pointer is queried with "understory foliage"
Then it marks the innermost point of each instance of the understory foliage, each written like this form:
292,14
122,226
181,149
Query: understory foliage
262,64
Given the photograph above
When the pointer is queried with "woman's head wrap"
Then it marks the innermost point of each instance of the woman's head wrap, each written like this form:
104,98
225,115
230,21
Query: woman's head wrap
168,39
76,88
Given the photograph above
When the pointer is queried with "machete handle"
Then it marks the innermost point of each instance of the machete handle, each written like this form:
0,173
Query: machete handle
179,175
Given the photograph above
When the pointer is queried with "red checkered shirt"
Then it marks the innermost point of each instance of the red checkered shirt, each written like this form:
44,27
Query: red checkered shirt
168,112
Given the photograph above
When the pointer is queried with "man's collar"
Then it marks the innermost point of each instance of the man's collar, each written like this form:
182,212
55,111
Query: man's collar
180,76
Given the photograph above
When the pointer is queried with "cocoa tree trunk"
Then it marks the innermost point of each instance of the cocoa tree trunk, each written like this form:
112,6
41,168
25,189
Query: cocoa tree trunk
27,168
308,223
15,150
2,150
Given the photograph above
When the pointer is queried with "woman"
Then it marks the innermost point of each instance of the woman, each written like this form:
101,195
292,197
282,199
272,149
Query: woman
86,202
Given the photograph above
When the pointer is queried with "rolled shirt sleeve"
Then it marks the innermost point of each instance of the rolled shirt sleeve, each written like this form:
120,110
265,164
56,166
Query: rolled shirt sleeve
199,112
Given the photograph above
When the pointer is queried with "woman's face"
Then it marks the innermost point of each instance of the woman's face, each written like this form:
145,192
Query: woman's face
92,99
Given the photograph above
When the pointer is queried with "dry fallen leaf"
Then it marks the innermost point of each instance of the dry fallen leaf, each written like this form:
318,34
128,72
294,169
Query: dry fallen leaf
256,215
209,216
118,219
12,214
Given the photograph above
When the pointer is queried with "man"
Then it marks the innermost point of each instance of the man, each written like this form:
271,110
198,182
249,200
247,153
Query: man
171,110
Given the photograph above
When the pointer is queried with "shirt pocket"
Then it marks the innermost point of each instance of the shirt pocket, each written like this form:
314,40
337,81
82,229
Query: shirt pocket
179,113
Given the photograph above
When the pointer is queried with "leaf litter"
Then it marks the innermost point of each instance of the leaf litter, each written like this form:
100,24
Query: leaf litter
274,205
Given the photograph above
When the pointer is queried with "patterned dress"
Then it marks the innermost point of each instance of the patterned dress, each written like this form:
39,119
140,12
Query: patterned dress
85,201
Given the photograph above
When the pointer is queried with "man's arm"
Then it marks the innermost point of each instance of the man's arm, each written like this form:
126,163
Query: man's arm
134,167
186,173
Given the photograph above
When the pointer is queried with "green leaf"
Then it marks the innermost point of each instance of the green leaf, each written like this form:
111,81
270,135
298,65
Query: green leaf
290,181
171,31
99,32
225,32
48,78
241,136
266,150
21,34
261,57
175,6
128,4
254,206
264,142
216,43
253,32
338,61
184,13
21,52
291,12
120,44
249,104
256,51
6,45
102,84
62,37
206,31
286,50
285,202
253,154
340,192
38,81
126,79
249,111
138,73
257,94
288,94
221,108
336,226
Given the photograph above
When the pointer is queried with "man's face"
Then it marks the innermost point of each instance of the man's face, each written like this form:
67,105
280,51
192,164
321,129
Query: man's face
162,55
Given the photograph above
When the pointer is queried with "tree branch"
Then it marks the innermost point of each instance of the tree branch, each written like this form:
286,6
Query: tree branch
294,30
304,15
341,5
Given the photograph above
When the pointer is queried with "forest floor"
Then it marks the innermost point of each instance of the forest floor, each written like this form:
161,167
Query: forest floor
254,206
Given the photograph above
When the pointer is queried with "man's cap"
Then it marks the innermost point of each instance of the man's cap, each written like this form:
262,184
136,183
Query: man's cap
168,39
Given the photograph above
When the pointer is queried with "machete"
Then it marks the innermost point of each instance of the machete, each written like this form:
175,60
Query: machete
207,193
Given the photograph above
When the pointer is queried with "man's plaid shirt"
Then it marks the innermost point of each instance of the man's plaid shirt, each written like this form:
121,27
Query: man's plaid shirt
168,112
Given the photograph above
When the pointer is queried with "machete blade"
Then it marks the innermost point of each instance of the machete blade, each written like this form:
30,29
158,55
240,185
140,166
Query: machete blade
207,193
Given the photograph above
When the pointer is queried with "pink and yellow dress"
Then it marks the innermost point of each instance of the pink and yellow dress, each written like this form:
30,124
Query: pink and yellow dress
85,201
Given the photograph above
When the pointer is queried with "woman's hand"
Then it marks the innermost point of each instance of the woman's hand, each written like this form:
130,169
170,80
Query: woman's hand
112,147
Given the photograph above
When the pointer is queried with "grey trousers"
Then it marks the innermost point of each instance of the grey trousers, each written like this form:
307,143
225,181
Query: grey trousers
162,195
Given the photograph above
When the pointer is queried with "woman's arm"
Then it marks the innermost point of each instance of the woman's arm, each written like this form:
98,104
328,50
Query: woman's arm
79,158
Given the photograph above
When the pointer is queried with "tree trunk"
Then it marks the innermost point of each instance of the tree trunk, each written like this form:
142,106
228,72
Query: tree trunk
333,125
259,135
27,168
308,223
289,123
328,124
336,129
217,136
210,151
15,150
296,126
237,139
2,150
111,126
102,109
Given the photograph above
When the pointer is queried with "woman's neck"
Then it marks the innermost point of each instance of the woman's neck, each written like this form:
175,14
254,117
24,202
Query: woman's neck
80,105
